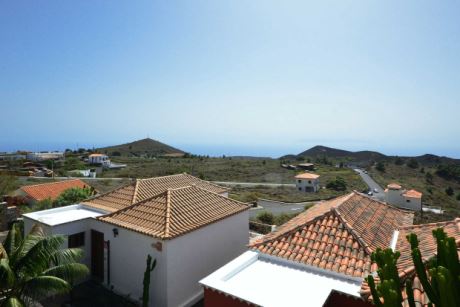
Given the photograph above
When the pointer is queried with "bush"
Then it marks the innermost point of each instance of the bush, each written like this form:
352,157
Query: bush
266,217
412,163
429,178
338,184
449,171
450,191
399,161
458,196
73,196
380,167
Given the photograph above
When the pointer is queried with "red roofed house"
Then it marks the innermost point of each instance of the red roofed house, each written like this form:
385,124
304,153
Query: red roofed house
52,190
307,182
326,248
397,196
187,224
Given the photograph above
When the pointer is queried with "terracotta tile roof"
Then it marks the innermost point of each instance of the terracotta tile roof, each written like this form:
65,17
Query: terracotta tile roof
413,194
425,236
145,188
96,155
394,186
153,186
337,235
428,250
114,200
175,212
307,176
52,190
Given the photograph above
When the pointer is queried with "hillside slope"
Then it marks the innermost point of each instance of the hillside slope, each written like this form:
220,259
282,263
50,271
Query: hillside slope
323,151
141,148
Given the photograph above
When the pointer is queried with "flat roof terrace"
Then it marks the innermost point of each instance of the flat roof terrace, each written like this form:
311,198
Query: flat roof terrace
57,216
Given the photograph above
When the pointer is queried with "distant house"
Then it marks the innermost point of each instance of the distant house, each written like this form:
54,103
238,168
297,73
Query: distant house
98,158
103,160
52,190
187,224
307,182
306,166
408,199
45,155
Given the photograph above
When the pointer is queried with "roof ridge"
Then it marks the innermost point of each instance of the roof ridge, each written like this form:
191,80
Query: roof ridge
53,182
132,206
381,202
168,213
136,187
208,182
108,192
291,230
353,232
454,221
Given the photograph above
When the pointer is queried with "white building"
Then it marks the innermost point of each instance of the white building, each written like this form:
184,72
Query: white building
396,195
98,158
45,155
186,224
323,250
307,182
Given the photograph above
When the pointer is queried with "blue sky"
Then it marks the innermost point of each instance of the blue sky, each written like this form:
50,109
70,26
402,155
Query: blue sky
234,77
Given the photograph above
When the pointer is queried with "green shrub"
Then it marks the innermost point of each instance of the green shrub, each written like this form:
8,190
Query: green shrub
266,217
338,184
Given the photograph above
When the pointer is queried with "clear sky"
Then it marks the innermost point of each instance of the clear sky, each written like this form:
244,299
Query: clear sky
234,77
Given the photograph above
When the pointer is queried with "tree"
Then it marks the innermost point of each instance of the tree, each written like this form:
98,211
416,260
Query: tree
449,191
412,163
399,161
338,184
7,184
266,217
441,284
380,167
72,196
429,177
146,281
35,267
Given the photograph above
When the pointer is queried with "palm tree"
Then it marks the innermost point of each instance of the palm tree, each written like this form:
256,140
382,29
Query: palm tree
36,266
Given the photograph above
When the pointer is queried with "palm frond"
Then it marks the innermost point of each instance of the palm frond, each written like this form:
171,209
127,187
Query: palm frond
67,255
13,239
69,272
3,253
7,276
44,286
38,257
13,302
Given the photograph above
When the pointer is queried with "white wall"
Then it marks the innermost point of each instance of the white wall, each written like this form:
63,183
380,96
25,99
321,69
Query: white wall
195,255
128,255
303,183
396,198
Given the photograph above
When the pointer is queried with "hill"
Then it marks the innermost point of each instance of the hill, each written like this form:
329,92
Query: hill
142,148
357,156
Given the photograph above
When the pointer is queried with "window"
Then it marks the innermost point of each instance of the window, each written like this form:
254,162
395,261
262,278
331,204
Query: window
407,200
299,181
76,240
309,181
300,189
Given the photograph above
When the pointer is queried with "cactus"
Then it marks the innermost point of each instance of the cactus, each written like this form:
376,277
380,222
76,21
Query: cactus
389,286
441,284
146,282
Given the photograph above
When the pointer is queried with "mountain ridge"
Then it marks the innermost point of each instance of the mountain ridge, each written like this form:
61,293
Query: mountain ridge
143,147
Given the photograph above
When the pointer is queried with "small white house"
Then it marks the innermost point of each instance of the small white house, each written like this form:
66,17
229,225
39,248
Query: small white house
185,223
408,199
45,155
98,158
307,182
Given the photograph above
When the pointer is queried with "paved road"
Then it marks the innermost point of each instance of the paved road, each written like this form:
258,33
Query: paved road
277,209
255,184
371,184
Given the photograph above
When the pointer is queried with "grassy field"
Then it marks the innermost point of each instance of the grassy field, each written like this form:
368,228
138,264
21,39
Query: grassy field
434,194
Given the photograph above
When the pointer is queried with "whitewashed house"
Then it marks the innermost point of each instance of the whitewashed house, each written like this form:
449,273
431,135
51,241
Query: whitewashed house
307,182
408,199
98,158
188,225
